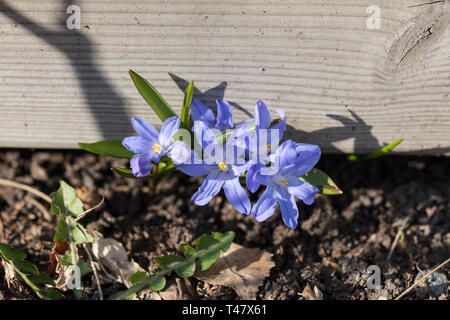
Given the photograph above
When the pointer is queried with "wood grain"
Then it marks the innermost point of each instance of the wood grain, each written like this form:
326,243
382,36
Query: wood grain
343,86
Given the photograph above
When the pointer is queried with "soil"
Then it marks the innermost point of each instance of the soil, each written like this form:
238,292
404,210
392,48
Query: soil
338,237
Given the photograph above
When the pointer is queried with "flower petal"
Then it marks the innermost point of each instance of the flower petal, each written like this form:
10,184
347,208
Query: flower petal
262,115
141,165
144,129
265,206
236,195
210,187
289,210
137,144
169,128
179,152
241,137
254,179
286,153
302,190
195,167
280,127
193,170
203,134
307,157
200,112
224,115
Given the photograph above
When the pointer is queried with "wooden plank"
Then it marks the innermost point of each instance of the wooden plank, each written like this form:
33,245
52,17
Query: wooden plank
343,86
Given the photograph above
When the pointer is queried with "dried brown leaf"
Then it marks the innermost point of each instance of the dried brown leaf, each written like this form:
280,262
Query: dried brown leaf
310,294
240,268
10,274
113,256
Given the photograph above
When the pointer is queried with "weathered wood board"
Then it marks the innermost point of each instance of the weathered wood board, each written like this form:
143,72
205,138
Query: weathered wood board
343,85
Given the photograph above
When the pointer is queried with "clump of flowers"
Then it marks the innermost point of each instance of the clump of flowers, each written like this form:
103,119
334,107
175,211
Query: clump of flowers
230,156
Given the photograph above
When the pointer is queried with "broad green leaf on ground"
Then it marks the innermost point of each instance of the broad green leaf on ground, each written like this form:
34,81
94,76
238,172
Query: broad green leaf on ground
83,265
243,269
107,148
377,154
187,104
153,98
29,273
322,181
65,201
208,248
79,233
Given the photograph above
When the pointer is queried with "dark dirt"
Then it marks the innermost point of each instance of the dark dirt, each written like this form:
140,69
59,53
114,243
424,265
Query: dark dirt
337,239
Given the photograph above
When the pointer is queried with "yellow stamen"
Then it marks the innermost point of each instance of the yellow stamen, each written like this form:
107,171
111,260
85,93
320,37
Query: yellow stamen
156,148
268,147
222,166
283,182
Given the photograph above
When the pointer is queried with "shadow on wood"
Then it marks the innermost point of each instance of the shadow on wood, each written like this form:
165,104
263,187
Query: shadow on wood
209,96
79,50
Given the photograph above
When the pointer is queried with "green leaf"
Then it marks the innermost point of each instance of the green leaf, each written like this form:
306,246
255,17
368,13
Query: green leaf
65,201
128,173
79,233
377,154
42,278
25,267
62,232
186,270
187,104
168,261
153,98
120,295
29,273
83,265
223,239
188,250
10,254
107,148
322,181
138,277
157,283
208,257
208,249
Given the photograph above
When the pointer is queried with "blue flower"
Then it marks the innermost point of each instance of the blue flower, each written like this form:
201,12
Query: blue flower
291,161
262,145
222,164
200,112
152,145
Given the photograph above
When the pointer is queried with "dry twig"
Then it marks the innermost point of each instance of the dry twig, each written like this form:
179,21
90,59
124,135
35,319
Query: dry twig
422,279
13,184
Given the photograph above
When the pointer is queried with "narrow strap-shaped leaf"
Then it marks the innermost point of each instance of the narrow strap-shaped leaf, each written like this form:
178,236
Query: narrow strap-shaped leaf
377,154
153,98
187,104
107,148
128,173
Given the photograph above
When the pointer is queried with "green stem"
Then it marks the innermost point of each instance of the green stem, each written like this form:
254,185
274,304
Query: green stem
165,272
